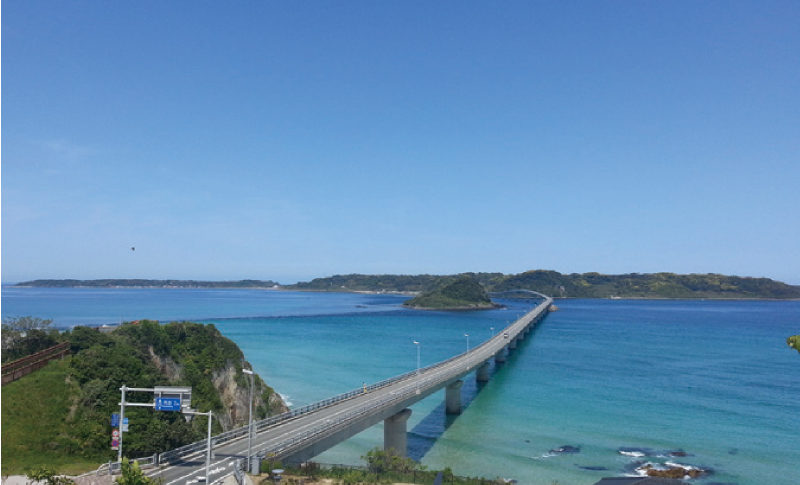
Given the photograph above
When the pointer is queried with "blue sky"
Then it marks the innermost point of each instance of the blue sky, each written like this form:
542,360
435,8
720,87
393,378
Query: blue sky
291,140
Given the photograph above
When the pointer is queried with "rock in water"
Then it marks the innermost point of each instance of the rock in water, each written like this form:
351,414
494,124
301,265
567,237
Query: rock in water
566,449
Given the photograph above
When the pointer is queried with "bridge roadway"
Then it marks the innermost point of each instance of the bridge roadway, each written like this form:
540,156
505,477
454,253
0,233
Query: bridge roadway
299,438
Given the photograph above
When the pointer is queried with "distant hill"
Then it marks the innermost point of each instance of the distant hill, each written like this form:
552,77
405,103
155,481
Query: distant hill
143,283
656,285
574,285
460,293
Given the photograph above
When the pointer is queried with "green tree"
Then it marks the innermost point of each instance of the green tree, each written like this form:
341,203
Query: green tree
22,336
383,461
133,475
47,475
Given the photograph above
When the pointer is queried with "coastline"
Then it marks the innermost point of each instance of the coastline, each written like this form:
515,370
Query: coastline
287,288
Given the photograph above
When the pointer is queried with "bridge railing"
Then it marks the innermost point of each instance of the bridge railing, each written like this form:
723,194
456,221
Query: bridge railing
179,453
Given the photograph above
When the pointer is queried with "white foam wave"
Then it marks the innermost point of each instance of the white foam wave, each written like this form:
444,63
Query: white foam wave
635,454
285,398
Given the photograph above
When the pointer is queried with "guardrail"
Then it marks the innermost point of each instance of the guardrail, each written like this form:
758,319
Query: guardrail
238,472
113,467
178,454
24,366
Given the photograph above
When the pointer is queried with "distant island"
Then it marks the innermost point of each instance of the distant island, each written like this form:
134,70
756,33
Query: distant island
144,283
558,285
574,285
461,293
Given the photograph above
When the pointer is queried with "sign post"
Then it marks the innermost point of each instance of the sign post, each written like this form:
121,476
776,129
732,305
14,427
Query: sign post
164,399
168,404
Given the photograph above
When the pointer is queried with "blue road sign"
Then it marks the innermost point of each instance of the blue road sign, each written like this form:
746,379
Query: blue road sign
168,404
115,420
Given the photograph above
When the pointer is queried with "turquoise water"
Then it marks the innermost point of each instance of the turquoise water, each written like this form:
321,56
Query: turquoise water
714,379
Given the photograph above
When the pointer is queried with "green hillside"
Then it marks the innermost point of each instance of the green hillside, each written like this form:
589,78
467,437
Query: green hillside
38,413
61,414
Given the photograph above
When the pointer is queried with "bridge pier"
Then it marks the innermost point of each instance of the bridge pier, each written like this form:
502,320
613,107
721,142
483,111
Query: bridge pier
513,344
452,398
394,432
482,374
500,356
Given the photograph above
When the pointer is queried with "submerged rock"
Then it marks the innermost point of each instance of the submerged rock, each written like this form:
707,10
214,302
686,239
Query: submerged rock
566,449
679,453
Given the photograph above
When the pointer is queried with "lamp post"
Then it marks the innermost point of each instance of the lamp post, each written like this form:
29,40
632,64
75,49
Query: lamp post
417,344
210,415
250,422
492,329
467,335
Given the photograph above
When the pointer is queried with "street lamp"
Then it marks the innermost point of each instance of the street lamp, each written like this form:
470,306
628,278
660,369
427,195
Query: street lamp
208,443
417,344
250,422
467,335
492,329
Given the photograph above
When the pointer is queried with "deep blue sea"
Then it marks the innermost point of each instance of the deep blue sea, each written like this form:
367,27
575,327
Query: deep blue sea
713,379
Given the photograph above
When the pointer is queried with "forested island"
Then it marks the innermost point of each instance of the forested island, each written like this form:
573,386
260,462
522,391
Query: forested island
59,415
462,293
574,285
558,285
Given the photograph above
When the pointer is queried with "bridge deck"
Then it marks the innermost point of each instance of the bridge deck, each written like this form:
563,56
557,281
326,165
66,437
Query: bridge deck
301,437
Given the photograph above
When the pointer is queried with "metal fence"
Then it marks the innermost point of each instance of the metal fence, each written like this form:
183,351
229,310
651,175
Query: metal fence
24,366
113,467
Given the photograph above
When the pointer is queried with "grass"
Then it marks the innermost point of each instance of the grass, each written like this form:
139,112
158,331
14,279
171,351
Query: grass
34,414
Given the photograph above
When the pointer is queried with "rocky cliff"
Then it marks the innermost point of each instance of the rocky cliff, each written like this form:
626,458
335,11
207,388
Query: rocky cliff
236,398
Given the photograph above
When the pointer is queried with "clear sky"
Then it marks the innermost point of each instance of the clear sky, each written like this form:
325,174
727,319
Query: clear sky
292,140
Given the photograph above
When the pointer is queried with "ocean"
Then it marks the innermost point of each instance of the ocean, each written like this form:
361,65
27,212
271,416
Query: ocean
599,389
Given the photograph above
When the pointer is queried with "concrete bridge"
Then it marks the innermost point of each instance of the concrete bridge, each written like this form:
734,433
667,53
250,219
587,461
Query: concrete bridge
300,435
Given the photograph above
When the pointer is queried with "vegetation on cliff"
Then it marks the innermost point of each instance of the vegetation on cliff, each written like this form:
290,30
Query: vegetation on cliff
460,293
76,396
